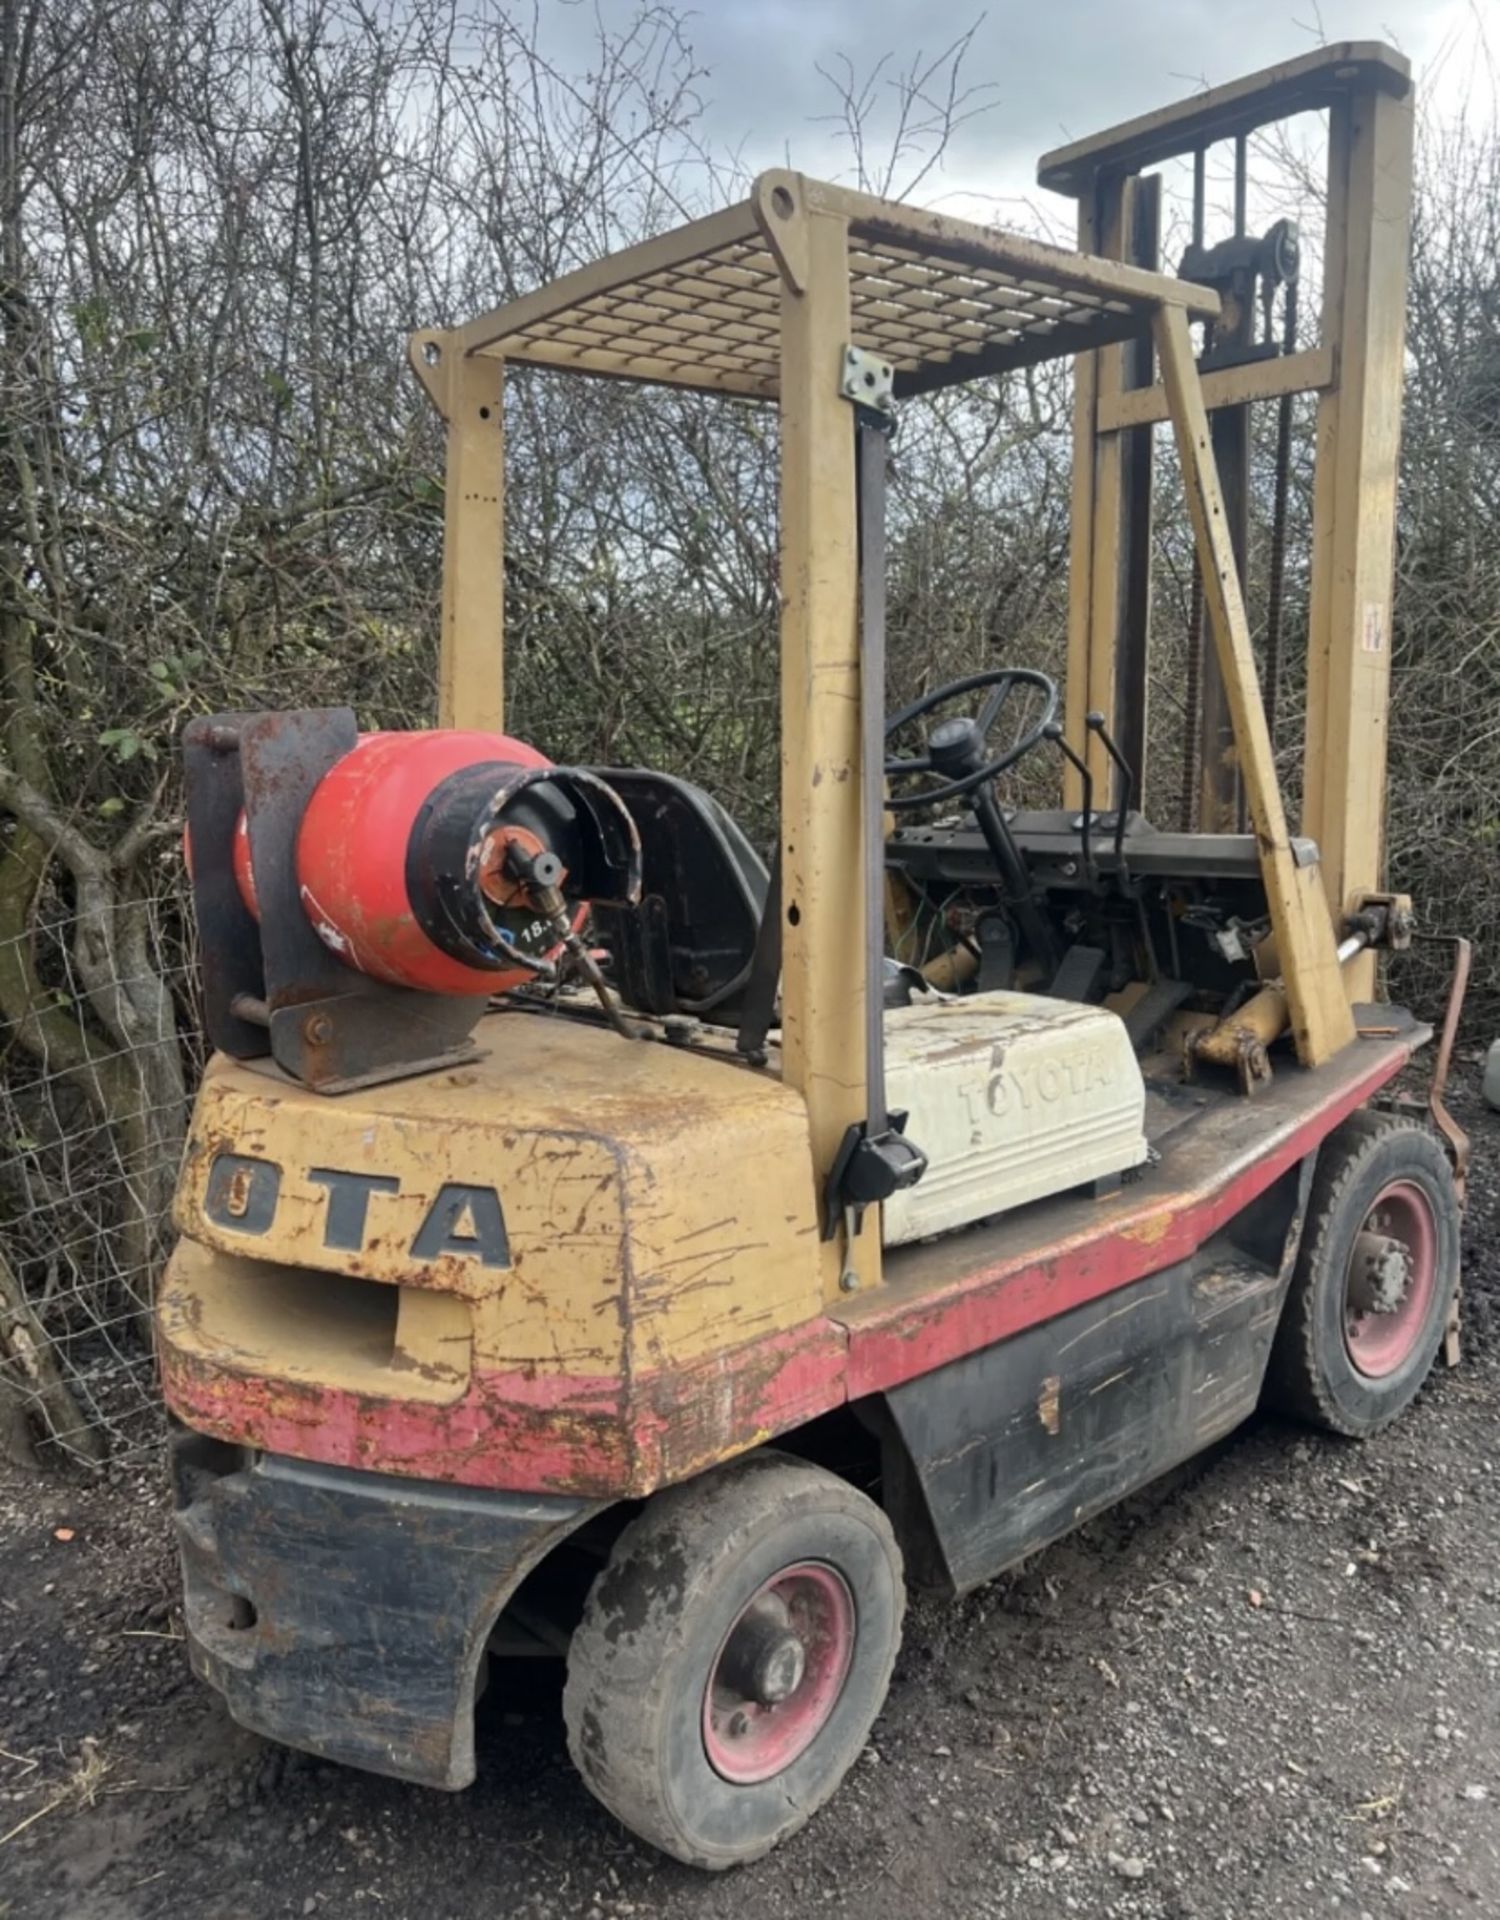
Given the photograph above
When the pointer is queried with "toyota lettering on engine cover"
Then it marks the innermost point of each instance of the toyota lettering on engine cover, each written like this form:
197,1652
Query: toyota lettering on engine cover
243,1191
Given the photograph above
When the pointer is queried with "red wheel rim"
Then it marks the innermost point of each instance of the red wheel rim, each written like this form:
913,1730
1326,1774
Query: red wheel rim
1390,1280
778,1673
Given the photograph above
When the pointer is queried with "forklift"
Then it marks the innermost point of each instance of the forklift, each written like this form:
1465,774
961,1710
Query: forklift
598,1241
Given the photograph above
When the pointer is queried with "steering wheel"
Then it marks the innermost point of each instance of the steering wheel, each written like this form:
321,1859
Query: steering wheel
956,748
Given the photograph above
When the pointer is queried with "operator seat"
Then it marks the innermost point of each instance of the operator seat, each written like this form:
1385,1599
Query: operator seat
688,946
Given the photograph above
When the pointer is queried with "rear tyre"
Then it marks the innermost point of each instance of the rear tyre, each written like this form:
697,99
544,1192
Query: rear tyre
1375,1278
732,1657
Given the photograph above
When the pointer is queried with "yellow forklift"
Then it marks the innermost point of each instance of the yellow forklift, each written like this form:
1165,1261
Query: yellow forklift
598,1240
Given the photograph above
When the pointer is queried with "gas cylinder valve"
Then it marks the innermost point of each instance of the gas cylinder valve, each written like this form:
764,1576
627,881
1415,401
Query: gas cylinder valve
541,873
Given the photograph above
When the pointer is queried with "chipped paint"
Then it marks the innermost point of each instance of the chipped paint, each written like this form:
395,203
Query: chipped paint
1152,1229
326,931
620,1435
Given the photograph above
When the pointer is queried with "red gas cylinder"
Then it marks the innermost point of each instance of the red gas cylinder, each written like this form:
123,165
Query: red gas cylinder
404,857
400,857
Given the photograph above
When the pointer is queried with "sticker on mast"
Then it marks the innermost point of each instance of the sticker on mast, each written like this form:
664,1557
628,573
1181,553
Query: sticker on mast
1374,629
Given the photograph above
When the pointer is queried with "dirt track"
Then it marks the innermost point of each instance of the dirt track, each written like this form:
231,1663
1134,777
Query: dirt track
1271,1685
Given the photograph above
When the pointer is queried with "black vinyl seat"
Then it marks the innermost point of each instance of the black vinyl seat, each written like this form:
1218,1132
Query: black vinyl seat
688,946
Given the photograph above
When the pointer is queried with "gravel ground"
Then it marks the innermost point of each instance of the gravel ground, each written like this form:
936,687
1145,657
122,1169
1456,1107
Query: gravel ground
1267,1686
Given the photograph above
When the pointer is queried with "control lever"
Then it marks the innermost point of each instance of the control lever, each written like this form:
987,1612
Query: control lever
1095,724
1053,731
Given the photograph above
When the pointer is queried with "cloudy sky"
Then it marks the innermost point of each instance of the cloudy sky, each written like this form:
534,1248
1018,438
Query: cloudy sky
1054,69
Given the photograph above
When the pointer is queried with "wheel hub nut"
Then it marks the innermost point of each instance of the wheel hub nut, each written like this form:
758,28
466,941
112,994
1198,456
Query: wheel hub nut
765,1660
1382,1272
779,1670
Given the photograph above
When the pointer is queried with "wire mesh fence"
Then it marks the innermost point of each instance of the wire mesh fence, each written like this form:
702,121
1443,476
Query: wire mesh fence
90,1136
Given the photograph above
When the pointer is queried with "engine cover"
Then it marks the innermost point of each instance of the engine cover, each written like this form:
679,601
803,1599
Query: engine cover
1012,1097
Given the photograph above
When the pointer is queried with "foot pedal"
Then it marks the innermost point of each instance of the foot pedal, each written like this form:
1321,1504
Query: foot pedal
1078,974
1154,1008
997,954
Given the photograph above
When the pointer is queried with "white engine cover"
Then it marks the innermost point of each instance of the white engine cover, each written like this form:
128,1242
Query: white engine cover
1012,1097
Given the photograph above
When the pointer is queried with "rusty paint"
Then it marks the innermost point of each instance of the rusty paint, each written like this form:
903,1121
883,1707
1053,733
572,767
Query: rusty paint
238,1197
1048,1403
609,1435
1152,1229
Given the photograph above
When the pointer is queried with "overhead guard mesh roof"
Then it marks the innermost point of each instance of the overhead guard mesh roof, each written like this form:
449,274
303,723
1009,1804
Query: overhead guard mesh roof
942,300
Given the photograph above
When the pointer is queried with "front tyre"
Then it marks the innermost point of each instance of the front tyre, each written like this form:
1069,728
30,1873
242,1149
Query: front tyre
1375,1278
733,1655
